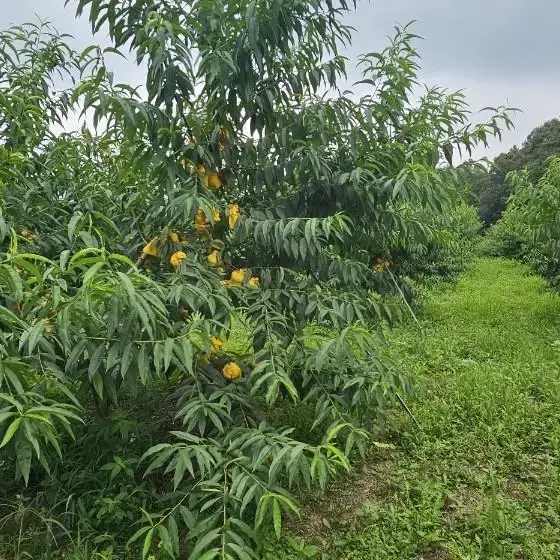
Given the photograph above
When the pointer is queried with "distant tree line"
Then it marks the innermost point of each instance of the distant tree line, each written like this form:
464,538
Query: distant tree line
490,188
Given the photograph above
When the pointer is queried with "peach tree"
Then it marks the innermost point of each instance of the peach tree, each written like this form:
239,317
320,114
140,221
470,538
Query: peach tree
217,244
529,229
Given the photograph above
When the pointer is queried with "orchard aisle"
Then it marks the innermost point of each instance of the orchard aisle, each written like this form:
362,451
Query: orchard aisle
481,478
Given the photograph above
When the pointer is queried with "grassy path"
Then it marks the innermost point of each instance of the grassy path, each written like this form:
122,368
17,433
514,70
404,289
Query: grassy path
481,478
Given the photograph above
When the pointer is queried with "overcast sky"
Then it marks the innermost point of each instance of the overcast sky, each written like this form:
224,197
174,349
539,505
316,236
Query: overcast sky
501,52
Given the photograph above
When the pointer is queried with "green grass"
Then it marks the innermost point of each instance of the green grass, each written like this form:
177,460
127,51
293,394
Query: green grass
481,478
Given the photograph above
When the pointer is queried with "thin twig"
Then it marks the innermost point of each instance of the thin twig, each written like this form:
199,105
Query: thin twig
409,412
404,298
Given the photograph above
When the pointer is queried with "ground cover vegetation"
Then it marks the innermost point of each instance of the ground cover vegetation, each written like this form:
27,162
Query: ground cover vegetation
475,476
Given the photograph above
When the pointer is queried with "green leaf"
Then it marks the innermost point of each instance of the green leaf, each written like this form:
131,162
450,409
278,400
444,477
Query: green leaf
90,275
35,335
128,286
126,359
143,364
95,361
98,384
24,454
73,223
181,463
142,531
187,355
75,354
12,429
262,509
203,543
147,542
165,539
277,518
168,352
173,531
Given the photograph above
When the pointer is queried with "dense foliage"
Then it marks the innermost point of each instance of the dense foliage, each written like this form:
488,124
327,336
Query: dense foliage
491,189
530,227
442,256
164,271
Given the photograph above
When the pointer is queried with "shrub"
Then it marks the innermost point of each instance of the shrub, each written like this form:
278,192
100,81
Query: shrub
444,255
529,230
